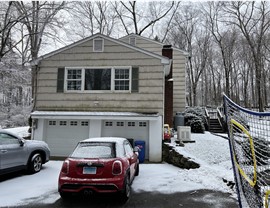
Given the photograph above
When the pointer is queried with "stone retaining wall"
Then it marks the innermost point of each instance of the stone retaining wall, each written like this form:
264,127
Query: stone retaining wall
173,157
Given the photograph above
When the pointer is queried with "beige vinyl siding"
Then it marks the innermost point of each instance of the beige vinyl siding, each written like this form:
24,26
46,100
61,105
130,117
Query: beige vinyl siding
151,76
147,45
179,60
179,82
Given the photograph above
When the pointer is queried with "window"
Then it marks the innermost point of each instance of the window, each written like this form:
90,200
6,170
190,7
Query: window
52,123
84,123
95,150
73,123
74,79
119,123
99,79
62,123
128,149
142,124
98,45
8,139
108,123
121,79
131,123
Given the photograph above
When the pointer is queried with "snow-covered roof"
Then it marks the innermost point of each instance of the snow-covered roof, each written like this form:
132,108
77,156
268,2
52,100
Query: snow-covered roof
106,139
164,60
92,115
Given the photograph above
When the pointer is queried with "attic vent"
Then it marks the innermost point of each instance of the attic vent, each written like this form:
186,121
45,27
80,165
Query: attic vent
98,45
132,41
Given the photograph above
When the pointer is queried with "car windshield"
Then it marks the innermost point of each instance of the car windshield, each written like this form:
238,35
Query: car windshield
94,150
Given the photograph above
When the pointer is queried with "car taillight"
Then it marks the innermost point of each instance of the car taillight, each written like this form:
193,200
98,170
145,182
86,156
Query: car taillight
117,168
65,167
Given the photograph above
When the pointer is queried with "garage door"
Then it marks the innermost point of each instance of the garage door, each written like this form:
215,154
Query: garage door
63,135
137,130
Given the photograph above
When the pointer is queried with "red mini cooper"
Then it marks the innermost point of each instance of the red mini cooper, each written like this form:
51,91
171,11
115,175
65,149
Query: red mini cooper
102,165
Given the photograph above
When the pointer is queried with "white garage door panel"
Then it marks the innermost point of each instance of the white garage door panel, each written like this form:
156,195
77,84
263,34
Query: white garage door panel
135,132
63,139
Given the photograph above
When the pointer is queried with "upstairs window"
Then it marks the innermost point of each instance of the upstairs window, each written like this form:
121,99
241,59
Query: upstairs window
98,45
74,79
121,79
97,79
101,79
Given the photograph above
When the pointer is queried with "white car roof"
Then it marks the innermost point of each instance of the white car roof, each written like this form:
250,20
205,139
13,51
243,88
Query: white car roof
106,139
117,140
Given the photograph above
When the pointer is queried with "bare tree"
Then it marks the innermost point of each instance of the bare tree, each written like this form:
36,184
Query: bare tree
93,17
224,37
187,34
8,20
38,16
253,20
136,20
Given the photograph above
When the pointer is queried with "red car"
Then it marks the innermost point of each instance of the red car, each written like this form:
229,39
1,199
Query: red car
101,165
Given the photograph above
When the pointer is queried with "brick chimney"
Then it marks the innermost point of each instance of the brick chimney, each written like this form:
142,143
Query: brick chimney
167,51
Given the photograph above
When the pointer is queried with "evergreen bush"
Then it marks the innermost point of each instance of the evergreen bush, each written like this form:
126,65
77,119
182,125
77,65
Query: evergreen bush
195,119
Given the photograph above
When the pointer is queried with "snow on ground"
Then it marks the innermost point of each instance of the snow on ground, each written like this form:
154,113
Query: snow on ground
211,152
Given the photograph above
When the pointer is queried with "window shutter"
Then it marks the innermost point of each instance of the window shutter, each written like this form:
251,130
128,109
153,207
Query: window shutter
135,79
60,79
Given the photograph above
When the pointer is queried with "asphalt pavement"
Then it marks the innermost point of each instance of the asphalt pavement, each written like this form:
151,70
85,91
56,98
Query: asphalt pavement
192,199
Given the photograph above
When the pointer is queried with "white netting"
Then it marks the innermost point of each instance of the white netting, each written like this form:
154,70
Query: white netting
249,135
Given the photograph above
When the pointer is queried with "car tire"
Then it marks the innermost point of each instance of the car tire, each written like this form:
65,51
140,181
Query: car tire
137,170
65,195
125,194
35,163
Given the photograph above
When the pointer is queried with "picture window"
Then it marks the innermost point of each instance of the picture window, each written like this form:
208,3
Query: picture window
98,79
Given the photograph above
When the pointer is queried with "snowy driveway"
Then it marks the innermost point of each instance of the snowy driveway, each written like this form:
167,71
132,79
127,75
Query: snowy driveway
210,151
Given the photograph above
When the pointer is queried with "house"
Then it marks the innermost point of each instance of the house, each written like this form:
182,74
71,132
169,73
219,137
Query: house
175,83
100,86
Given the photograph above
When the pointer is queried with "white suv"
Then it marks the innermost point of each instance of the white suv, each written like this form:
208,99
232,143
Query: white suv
17,153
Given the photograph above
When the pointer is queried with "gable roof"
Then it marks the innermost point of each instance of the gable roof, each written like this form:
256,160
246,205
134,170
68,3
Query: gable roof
153,41
164,60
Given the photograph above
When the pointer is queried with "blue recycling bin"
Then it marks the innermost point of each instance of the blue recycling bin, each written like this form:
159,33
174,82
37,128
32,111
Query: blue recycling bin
141,145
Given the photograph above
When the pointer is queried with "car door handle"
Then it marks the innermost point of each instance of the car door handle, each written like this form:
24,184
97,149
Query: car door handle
3,151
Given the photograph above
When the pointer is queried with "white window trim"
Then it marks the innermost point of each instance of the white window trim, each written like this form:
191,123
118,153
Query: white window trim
66,78
112,90
102,47
113,79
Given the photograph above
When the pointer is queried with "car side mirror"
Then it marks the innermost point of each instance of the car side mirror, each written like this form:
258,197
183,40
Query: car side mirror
21,142
136,149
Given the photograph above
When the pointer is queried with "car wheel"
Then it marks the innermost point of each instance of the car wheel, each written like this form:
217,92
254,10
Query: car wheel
137,170
64,195
127,190
35,163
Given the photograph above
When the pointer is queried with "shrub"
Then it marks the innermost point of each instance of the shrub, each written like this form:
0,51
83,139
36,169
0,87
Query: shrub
199,112
194,122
